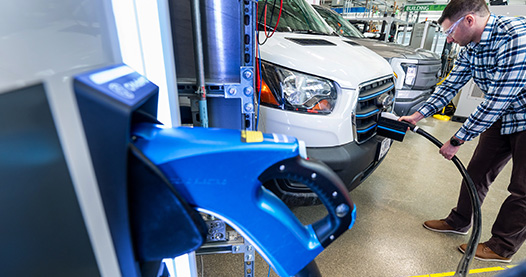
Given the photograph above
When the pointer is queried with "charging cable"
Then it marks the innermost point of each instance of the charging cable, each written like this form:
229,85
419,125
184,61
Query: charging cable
389,126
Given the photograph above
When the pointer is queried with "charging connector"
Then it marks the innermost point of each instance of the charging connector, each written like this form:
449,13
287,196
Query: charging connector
389,126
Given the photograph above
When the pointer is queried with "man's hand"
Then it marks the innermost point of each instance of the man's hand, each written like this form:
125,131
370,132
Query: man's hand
448,151
413,119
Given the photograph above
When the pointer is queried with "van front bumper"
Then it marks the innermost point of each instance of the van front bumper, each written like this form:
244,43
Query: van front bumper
352,162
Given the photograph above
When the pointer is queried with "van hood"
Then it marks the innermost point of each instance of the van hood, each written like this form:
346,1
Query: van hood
394,50
325,56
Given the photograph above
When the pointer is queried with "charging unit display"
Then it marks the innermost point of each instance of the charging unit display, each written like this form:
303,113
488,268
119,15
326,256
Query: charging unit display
43,232
156,176
389,126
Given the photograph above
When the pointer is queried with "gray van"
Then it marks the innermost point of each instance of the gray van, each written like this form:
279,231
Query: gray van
417,70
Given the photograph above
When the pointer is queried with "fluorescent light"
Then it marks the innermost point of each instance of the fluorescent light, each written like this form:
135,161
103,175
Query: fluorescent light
141,43
110,75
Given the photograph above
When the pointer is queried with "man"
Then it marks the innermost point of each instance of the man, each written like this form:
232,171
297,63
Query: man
495,57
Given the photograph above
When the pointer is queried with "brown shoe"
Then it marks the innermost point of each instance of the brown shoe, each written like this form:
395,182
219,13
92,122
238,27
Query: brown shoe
442,227
484,253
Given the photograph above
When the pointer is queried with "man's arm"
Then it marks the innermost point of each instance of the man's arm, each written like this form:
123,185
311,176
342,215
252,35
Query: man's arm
458,77
448,150
413,119
508,81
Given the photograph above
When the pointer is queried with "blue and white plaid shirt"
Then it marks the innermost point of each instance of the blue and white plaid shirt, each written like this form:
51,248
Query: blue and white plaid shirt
497,64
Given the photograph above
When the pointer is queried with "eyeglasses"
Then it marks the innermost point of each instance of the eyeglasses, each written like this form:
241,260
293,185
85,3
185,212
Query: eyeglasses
451,29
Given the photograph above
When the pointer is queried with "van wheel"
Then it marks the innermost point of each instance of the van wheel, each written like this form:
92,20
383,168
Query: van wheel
291,193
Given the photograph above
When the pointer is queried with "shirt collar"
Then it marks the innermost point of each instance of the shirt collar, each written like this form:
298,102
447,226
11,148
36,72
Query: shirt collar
485,38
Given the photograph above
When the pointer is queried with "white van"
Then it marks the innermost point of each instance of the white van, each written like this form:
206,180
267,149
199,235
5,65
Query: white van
324,91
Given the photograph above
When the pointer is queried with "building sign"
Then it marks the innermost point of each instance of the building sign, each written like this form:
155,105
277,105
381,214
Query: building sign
423,8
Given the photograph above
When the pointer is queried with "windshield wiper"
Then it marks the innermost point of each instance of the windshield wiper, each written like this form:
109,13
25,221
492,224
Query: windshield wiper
271,28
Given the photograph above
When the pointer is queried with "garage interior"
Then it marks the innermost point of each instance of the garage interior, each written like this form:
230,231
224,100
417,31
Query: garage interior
84,180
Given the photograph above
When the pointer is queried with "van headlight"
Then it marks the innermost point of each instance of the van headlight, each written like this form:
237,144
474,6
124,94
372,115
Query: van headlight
291,90
410,75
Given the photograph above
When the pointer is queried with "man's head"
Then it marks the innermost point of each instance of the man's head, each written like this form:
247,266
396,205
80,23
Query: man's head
463,21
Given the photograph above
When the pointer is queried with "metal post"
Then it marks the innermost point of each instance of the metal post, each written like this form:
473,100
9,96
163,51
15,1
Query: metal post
199,62
437,35
405,28
388,30
423,41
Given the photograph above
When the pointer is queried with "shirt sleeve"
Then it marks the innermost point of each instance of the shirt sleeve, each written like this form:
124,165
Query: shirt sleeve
508,81
458,77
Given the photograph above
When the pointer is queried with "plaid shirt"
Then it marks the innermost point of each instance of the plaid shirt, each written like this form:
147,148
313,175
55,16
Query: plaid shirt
497,64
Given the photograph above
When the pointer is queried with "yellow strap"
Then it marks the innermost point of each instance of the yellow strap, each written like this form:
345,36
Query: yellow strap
441,81
251,136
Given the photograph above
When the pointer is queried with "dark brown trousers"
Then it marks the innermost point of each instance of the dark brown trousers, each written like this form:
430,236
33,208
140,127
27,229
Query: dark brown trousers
491,155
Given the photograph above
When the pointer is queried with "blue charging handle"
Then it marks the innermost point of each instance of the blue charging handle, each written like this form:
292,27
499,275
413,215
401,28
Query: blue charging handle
221,172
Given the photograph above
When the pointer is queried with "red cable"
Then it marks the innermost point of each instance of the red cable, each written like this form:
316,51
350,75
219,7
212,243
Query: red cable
277,22
265,21
258,59
257,44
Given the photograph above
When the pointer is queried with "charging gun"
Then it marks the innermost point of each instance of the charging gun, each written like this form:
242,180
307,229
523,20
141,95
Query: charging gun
221,172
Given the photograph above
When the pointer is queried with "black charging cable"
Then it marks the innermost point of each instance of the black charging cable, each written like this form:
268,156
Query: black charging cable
469,254
389,126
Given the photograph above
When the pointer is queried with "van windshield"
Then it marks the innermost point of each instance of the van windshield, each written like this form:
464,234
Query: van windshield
340,25
297,16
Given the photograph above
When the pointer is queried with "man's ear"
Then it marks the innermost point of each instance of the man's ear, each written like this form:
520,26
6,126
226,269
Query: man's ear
470,18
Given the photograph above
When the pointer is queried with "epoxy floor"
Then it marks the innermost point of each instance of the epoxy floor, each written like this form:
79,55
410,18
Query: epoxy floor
412,185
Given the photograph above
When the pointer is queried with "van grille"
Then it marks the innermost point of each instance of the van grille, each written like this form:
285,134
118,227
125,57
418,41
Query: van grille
369,107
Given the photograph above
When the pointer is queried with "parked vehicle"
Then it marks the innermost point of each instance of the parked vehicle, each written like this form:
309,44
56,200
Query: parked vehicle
323,90
417,70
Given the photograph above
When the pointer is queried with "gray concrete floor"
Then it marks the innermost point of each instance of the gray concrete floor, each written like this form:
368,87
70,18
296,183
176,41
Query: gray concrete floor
413,184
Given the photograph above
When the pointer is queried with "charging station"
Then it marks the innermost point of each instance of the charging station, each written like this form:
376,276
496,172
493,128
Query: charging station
156,173
94,185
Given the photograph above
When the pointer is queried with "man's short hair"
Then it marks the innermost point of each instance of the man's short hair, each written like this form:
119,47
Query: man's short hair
458,8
